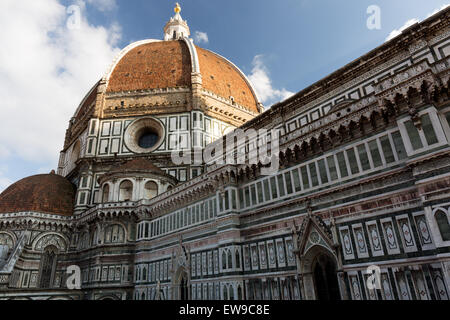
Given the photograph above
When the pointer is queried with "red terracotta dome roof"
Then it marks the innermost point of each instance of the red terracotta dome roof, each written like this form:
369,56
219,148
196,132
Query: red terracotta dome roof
168,64
153,65
45,193
222,78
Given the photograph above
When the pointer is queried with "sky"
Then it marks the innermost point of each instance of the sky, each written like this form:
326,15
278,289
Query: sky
54,51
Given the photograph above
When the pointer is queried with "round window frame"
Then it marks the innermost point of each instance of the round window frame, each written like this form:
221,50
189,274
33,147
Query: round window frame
134,130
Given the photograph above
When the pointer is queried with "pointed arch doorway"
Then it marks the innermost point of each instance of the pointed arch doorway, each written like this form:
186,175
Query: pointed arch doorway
325,278
183,290
318,260
320,275
181,285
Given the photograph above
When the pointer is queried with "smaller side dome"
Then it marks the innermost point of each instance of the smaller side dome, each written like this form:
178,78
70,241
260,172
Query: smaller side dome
44,193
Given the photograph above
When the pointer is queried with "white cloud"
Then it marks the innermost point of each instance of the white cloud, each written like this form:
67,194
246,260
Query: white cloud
398,31
412,21
438,9
103,5
4,181
45,71
263,85
4,152
201,37
45,170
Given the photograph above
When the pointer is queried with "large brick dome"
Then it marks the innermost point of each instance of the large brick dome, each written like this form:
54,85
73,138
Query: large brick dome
45,193
154,64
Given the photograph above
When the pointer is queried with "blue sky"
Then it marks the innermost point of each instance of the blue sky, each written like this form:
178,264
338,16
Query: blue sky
286,45
301,40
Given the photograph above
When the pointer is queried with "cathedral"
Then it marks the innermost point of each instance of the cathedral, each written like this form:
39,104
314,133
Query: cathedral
362,182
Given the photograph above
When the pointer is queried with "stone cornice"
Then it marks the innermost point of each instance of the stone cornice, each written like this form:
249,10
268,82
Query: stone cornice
146,93
32,220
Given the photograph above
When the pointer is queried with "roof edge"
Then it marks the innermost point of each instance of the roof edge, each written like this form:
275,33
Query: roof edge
195,64
95,87
255,95
385,46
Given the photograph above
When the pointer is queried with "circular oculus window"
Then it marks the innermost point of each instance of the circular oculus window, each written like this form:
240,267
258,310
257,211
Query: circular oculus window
144,135
148,139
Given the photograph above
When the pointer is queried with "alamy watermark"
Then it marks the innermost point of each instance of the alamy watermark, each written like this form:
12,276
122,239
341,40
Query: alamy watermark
74,17
374,279
73,281
374,19
250,147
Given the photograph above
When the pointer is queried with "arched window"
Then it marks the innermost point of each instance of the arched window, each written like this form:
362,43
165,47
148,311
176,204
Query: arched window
6,245
150,190
225,293
114,234
126,190
231,289
230,260
25,281
442,222
94,239
239,290
224,260
144,273
143,296
84,241
48,266
238,259
105,194
76,152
